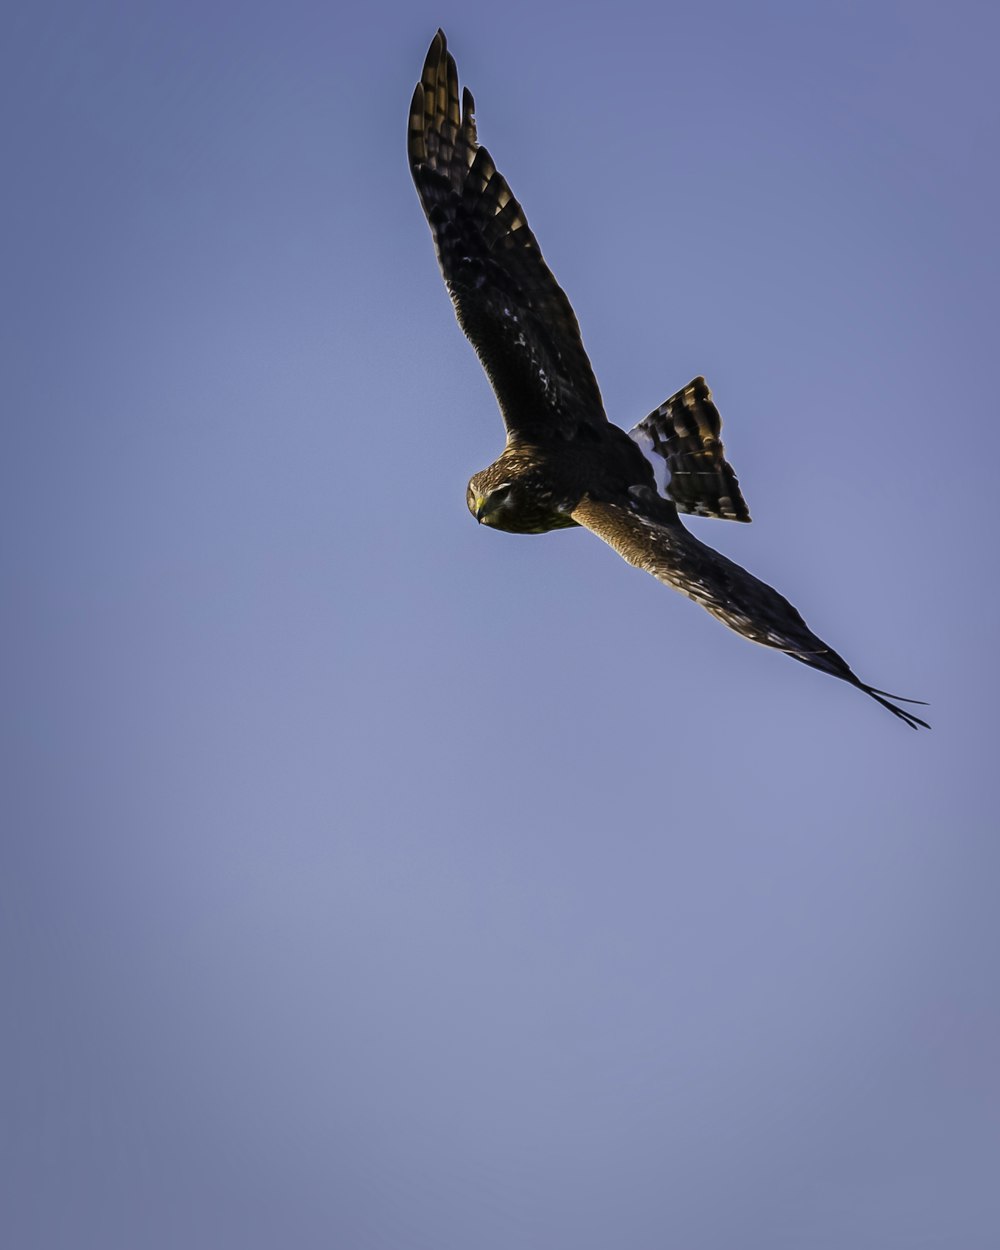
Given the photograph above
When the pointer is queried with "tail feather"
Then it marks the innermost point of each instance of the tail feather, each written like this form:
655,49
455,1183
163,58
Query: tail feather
682,440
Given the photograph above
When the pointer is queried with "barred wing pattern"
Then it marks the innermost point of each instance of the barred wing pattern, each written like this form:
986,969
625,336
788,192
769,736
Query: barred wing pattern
507,301
683,437
735,597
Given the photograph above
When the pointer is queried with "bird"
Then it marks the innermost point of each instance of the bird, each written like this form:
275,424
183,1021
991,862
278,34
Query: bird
564,463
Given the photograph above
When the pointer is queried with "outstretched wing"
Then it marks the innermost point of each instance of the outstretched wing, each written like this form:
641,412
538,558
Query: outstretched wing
507,301
681,440
737,598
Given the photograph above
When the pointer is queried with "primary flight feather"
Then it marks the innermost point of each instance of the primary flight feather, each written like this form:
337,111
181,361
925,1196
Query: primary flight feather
564,463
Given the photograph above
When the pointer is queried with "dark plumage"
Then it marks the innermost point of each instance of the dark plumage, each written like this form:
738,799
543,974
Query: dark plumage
564,463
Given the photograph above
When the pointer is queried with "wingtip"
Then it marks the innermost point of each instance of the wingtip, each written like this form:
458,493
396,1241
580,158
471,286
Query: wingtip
910,718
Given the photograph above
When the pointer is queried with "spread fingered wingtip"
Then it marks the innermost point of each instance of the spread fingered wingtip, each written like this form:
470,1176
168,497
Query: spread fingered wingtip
910,718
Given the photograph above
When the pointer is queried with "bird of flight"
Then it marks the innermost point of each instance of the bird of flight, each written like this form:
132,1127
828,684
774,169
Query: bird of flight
565,463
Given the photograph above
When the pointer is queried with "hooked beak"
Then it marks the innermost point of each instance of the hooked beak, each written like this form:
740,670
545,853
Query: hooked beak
480,503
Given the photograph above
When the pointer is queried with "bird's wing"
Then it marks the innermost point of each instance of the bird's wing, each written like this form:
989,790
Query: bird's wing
737,598
507,301
682,441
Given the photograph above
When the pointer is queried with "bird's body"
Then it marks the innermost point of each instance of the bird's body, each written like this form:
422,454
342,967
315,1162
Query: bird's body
564,463
546,479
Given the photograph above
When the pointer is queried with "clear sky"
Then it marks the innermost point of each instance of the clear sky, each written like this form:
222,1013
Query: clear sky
374,880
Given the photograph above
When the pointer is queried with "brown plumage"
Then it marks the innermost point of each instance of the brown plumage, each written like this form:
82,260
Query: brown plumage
564,463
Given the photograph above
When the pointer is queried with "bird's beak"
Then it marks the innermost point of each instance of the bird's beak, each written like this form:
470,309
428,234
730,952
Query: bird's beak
480,508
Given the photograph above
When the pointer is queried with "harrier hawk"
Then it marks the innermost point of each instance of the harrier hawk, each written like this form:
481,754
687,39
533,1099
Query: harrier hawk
565,463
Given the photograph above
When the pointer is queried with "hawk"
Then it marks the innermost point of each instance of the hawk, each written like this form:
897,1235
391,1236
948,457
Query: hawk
564,462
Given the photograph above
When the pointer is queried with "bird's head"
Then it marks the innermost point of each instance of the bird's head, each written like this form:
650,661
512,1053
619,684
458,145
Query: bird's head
489,497
514,494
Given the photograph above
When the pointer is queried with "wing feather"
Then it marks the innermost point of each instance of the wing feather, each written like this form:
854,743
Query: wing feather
735,597
507,301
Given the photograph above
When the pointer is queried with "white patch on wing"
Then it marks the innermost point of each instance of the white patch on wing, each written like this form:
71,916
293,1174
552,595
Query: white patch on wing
659,465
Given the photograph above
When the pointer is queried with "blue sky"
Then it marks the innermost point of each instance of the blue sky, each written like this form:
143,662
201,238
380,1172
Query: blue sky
375,880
